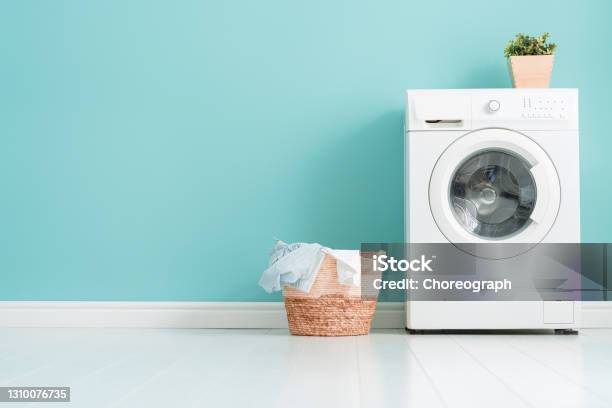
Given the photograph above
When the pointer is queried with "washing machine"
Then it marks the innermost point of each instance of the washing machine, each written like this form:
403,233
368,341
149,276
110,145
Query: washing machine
456,143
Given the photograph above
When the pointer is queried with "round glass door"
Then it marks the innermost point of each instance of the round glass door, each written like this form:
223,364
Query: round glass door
493,194
494,185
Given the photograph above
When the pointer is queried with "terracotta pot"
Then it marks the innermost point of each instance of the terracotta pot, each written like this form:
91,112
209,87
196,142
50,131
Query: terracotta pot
531,71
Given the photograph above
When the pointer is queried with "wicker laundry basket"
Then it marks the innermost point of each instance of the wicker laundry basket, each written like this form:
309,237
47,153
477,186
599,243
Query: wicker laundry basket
329,309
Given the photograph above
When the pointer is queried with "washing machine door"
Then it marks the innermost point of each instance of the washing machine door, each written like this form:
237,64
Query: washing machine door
495,186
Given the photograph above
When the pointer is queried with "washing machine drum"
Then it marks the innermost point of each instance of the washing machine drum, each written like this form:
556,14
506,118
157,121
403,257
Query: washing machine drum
493,194
495,186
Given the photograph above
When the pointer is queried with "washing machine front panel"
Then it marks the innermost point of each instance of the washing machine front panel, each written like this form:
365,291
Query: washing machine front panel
547,120
494,185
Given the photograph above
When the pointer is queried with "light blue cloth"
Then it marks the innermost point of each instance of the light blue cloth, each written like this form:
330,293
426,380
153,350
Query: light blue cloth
293,265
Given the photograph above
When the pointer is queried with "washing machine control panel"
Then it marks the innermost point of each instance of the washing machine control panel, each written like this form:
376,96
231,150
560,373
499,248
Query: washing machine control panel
512,108
529,106
544,108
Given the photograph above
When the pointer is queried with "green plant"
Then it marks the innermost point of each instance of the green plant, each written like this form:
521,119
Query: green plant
527,45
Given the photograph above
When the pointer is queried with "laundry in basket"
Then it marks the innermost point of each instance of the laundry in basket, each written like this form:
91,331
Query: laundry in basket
297,265
321,288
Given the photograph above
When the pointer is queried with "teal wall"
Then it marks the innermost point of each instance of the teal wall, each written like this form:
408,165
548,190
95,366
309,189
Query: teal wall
152,150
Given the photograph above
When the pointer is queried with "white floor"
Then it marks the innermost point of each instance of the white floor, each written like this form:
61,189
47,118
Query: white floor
268,368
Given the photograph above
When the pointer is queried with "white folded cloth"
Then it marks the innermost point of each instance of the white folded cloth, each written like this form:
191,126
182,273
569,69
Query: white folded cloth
348,265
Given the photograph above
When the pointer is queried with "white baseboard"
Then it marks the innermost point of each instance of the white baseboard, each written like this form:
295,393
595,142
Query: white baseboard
142,314
226,315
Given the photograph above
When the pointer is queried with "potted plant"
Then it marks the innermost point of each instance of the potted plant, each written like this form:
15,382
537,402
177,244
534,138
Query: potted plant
530,60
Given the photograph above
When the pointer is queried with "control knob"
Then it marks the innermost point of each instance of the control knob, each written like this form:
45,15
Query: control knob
493,105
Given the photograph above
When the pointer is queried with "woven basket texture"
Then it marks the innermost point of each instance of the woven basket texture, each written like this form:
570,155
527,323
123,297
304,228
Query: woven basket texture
330,308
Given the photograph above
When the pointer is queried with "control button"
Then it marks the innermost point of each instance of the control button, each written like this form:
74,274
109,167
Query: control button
494,105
